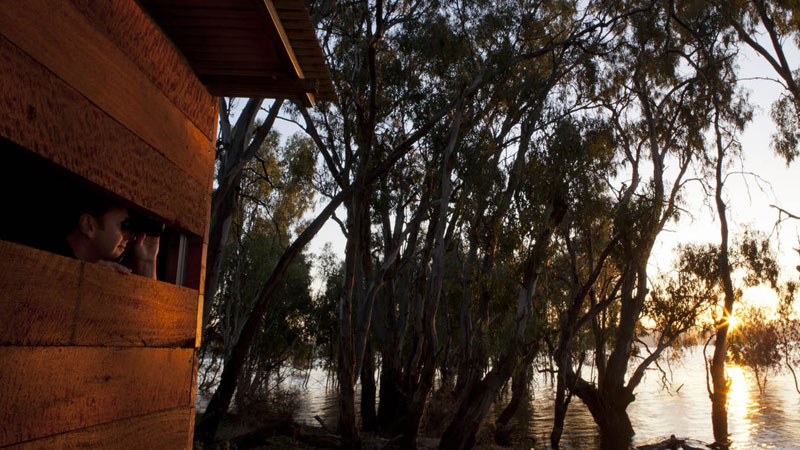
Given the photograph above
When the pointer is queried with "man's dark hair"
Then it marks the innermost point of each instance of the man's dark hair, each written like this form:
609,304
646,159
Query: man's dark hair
84,202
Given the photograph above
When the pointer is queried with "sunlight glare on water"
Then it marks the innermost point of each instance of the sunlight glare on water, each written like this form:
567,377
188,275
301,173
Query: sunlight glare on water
755,421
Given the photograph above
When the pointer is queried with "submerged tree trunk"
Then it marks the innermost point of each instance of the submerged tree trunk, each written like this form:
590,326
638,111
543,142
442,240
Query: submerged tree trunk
721,385
559,409
460,434
472,409
392,398
347,361
569,327
520,391
609,412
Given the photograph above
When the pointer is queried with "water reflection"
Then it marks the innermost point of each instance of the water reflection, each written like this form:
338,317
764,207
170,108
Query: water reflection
771,420
535,419
761,420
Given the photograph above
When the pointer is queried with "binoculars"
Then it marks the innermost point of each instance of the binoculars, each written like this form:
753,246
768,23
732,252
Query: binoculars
140,224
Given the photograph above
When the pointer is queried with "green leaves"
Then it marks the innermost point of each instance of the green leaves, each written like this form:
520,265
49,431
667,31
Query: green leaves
786,115
754,344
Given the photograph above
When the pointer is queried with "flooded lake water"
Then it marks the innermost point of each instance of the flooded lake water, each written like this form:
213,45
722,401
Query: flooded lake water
756,421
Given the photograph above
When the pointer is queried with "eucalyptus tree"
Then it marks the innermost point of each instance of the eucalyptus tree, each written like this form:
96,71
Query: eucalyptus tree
273,195
367,174
724,269
381,107
236,146
756,345
731,112
518,204
377,47
654,93
779,24
724,147
580,266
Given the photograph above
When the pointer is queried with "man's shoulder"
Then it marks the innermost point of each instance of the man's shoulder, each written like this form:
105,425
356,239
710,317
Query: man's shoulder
57,246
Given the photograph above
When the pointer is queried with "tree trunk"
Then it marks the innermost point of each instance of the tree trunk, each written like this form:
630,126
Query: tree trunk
609,412
220,400
369,418
520,390
719,395
560,408
461,432
392,399
347,407
472,409
346,368
616,430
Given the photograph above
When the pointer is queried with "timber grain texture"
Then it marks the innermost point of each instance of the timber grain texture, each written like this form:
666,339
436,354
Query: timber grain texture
47,299
170,429
62,39
51,390
130,29
41,112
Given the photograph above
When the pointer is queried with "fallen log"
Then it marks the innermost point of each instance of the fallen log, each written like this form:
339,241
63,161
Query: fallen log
288,427
672,443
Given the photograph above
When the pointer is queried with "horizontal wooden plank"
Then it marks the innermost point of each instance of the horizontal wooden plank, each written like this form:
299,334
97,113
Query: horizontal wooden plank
212,45
209,56
168,430
281,88
304,43
211,69
131,30
301,34
38,295
291,14
296,5
215,4
221,12
310,67
244,22
43,114
299,24
50,390
134,310
311,53
48,299
72,48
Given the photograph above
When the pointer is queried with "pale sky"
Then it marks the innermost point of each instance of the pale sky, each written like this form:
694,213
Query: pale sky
767,182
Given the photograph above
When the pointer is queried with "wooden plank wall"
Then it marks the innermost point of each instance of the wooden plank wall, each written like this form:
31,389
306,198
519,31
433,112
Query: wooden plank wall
115,127
52,390
91,355
91,358
54,300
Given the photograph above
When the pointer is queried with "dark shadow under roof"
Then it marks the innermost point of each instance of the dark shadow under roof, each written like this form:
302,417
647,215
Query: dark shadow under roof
248,48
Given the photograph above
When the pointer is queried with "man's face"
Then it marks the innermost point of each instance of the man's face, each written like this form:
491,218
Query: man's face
109,238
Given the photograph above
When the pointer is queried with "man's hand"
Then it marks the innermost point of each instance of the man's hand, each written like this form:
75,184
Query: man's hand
144,249
116,266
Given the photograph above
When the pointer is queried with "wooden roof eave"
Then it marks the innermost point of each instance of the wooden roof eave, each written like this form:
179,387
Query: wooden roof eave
308,96
241,48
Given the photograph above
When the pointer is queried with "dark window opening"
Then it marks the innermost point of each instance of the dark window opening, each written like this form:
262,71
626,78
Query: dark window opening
40,200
